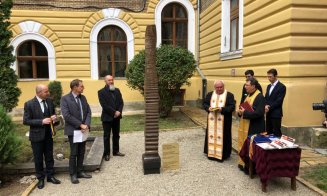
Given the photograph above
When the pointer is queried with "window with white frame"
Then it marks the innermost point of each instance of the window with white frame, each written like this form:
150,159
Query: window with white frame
32,60
231,29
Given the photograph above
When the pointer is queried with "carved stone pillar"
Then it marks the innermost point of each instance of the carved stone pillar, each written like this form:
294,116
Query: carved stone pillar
151,158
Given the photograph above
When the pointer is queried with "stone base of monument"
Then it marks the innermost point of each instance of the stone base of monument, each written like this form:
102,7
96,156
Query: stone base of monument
151,164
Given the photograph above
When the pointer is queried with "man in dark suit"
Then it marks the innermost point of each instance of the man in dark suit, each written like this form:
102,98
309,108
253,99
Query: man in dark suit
39,114
248,75
274,103
77,115
112,105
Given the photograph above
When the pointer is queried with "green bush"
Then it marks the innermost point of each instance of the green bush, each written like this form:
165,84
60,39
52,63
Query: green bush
10,142
175,66
55,90
9,92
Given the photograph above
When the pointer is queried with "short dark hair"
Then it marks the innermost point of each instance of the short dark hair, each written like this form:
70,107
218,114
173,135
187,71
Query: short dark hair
75,83
253,81
273,72
250,71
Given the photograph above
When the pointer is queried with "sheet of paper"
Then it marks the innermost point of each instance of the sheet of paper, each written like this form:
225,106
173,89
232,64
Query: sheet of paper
79,136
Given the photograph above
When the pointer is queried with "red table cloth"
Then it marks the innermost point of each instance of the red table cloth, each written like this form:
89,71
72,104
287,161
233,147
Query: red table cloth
272,163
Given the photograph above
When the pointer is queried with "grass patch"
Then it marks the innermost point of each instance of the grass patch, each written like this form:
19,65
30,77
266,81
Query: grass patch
127,124
317,176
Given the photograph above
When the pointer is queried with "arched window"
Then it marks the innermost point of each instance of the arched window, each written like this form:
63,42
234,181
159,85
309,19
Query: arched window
112,51
174,25
32,60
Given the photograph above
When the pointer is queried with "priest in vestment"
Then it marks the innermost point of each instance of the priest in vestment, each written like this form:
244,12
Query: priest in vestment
251,122
220,105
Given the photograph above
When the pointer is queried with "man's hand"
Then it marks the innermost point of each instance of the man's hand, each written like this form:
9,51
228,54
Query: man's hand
46,121
241,111
267,108
54,118
83,127
117,114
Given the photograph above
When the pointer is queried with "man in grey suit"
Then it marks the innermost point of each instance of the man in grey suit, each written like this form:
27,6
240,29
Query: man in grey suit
77,115
39,113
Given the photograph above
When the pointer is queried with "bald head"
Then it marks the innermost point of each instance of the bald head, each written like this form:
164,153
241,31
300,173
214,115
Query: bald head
42,91
219,87
109,80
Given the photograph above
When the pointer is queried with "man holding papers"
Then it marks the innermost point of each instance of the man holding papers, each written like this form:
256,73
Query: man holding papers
220,105
252,113
77,115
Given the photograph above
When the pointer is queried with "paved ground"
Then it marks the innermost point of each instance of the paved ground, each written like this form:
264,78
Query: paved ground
197,175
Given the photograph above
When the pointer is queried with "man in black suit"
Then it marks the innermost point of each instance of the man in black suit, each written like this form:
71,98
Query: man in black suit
77,115
39,114
112,105
274,103
248,75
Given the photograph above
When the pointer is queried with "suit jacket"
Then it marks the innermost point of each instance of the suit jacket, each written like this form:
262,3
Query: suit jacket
110,101
72,114
275,100
257,117
33,116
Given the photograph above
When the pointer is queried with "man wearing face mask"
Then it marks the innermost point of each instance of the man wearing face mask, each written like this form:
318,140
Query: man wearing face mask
112,105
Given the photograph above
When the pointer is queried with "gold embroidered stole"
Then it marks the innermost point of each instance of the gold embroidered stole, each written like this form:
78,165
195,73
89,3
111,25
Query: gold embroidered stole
244,125
216,126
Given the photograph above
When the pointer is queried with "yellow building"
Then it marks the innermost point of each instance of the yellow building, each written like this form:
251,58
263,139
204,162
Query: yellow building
67,39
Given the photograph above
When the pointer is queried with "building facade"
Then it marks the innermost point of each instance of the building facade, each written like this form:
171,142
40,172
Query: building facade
89,39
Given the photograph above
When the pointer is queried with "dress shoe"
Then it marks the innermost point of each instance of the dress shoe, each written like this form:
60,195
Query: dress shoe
53,180
83,175
40,184
119,154
107,157
73,179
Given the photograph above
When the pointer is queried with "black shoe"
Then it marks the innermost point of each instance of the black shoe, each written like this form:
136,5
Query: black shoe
53,180
119,154
40,184
246,171
73,179
83,175
240,167
106,157
220,161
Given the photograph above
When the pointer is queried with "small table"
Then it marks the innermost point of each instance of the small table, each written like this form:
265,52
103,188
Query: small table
272,163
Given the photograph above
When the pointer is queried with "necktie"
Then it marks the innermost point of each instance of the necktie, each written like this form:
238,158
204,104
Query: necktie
45,109
80,106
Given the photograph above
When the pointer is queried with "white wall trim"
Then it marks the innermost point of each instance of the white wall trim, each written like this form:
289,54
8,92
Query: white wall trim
111,18
30,26
225,27
190,25
30,32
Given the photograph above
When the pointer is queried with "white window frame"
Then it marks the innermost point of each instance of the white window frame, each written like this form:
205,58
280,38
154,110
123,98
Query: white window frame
30,31
190,24
225,53
110,18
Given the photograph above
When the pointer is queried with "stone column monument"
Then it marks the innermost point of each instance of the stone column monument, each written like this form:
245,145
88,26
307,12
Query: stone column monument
151,158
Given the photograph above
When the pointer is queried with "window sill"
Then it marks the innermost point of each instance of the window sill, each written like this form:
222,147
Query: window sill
32,79
231,55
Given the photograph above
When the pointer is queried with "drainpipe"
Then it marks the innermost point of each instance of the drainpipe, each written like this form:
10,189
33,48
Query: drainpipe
204,80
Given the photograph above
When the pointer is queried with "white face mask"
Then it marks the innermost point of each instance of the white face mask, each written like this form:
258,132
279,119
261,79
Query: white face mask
111,87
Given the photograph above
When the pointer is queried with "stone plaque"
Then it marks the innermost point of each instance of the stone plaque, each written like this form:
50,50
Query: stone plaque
170,153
